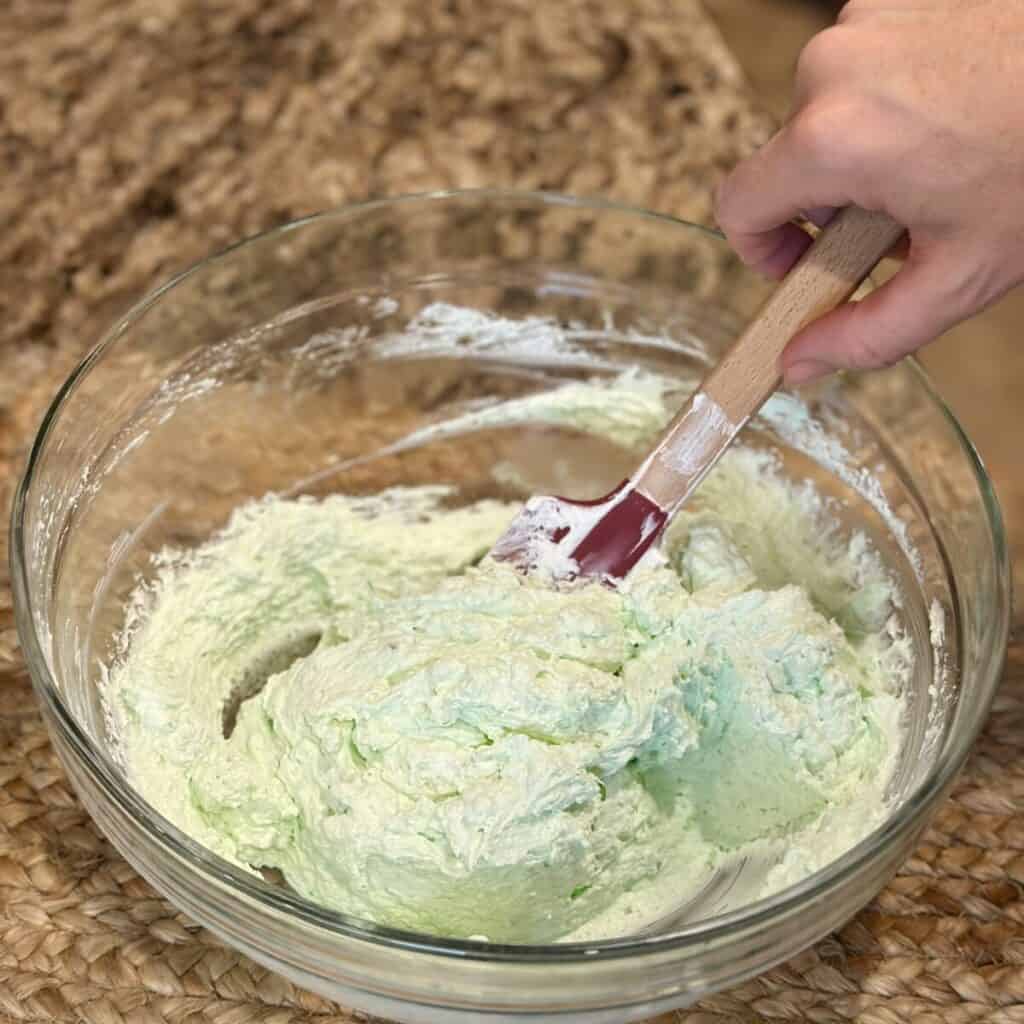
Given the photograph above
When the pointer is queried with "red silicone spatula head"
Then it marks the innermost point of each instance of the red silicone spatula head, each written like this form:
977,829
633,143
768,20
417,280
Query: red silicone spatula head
567,539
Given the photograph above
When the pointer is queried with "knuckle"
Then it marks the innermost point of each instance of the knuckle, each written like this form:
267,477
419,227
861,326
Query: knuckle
973,286
817,132
848,12
871,353
869,347
823,58
834,134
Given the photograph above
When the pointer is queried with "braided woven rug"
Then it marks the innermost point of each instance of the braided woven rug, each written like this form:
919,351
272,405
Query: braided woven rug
139,135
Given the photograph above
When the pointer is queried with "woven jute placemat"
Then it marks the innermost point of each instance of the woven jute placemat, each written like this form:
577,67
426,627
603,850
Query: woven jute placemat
140,135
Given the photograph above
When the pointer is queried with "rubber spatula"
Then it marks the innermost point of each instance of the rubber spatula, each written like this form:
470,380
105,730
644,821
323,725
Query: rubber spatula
607,537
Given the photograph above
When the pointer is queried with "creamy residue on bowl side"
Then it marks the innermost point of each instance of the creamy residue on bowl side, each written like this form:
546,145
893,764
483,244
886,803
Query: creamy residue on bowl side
342,690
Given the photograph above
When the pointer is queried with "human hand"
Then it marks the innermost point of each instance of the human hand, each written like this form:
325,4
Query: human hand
915,108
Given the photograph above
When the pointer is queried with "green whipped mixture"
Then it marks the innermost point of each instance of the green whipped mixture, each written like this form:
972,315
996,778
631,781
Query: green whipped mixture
425,738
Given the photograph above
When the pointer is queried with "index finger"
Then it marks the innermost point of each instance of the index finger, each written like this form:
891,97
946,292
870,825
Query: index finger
757,203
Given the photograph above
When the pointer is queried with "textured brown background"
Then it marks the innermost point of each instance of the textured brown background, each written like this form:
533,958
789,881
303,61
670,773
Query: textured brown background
139,135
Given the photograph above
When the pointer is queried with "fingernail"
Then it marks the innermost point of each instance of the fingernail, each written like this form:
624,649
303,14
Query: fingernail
820,215
805,371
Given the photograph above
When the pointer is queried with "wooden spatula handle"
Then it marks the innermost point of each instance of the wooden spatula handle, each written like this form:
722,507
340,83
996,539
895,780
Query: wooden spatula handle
831,270
840,258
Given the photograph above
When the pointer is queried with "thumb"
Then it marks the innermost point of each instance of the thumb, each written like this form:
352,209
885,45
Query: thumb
908,311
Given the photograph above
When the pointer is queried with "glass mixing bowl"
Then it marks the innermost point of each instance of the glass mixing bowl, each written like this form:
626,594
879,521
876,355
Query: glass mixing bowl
279,364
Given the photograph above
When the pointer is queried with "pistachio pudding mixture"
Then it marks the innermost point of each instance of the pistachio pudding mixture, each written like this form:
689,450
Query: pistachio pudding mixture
430,740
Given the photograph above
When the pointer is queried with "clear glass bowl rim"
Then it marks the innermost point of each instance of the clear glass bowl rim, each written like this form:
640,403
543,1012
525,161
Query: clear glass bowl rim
792,900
